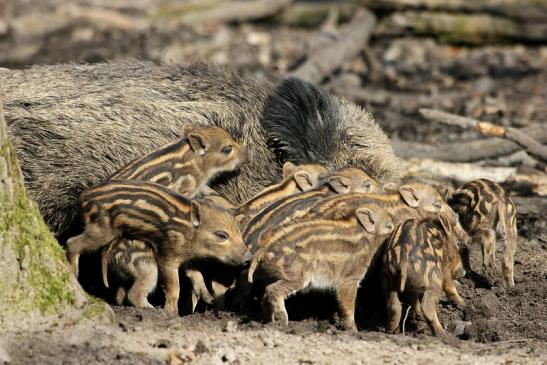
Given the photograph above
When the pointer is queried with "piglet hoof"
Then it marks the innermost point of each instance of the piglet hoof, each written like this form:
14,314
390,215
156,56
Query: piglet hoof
459,302
281,317
145,304
171,307
349,325
206,297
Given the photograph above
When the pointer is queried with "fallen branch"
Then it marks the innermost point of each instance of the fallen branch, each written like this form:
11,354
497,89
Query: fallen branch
314,14
466,151
529,10
235,12
462,27
530,145
525,181
460,172
353,37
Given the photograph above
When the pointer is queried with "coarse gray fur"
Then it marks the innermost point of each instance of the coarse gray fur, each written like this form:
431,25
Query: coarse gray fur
74,125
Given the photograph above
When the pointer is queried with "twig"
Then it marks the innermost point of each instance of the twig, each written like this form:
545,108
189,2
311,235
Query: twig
406,316
530,145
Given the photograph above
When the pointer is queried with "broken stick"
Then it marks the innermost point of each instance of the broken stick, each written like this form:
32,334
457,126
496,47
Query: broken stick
323,61
530,145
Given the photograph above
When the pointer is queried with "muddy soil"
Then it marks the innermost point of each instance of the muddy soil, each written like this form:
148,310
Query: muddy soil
498,326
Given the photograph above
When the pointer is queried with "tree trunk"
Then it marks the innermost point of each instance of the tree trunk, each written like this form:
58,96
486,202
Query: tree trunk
35,278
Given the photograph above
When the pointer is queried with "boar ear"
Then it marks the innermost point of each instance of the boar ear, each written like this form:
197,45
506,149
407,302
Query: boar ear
446,223
390,187
409,195
198,143
339,184
195,213
367,219
304,180
289,169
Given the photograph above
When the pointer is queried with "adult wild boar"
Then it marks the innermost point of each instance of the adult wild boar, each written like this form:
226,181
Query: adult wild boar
74,125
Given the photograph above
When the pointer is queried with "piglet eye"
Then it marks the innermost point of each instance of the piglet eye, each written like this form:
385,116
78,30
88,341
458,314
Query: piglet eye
389,226
221,235
227,149
437,205
366,184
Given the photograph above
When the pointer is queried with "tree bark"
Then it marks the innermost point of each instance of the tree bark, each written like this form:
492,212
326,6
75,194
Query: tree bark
35,277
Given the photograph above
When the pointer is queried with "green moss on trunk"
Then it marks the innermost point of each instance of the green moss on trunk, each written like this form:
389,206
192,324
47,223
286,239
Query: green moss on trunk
35,275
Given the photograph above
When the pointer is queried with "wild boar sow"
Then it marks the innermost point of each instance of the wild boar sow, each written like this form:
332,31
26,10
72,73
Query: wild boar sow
75,125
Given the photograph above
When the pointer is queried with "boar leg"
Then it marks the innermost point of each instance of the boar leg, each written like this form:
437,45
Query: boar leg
144,284
429,308
93,238
169,270
394,309
273,303
347,294
487,238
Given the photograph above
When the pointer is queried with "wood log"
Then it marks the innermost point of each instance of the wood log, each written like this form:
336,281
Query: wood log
323,61
235,12
439,171
462,27
313,14
402,101
529,10
466,151
530,145
460,172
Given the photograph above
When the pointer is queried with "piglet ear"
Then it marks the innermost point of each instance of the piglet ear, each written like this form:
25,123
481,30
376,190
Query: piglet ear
198,143
446,223
187,128
409,195
447,193
304,180
289,169
340,184
195,213
367,218
390,187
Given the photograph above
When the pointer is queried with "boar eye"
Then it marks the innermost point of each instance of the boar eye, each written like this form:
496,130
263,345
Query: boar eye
389,226
221,235
437,205
227,149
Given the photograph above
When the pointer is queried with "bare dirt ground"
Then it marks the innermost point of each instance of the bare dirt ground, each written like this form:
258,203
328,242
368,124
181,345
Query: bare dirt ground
501,83
498,326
